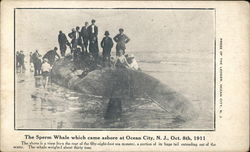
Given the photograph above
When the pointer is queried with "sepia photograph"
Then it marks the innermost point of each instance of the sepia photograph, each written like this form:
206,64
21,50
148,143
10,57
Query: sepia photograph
114,69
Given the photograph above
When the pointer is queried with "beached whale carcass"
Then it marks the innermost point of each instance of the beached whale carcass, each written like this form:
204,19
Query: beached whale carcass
123,83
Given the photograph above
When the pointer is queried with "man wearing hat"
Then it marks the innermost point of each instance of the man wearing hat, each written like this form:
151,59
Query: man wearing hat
51,56
85,35
121,39
92,30
106,44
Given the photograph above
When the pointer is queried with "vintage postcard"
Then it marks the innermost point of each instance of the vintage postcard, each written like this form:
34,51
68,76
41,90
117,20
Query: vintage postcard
124,76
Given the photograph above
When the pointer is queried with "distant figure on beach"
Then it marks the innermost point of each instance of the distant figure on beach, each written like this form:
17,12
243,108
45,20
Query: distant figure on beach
121,61
31,58
121,39
46,67
93,47
106,44
17,61
63,42
51,56
21,62
36,59
85,36
92,30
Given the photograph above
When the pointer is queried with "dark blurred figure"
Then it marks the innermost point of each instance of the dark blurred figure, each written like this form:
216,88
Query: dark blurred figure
121,39
31,58
17,62
51,56
21,62
85,36
77,57
73,37
106,44
63,42
93,48
37,62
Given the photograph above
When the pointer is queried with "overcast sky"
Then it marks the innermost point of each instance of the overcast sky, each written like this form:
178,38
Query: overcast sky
149,30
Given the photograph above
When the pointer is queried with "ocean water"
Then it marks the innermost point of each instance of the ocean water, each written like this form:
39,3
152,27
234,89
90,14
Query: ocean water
56,107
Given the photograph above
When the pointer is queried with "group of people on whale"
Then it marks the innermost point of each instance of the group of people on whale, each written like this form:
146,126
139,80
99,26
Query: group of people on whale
84,43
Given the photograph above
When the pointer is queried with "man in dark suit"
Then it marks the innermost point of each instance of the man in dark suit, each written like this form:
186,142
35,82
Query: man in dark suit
121,39
106,44
37,62
63,41
92,30
85,36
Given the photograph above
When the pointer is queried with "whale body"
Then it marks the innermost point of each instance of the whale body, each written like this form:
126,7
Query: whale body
123,83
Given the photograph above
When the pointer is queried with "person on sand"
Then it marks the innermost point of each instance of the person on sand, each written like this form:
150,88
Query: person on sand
17,61
21,62
121,61
36,59
46,72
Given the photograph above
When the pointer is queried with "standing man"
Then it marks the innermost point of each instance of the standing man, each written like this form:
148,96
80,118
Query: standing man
106,44
121,39
63,41
93,39
85,36
92,30
51,56
37,62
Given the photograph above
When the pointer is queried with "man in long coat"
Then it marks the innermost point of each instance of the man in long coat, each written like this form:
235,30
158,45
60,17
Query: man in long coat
121,39
63,41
